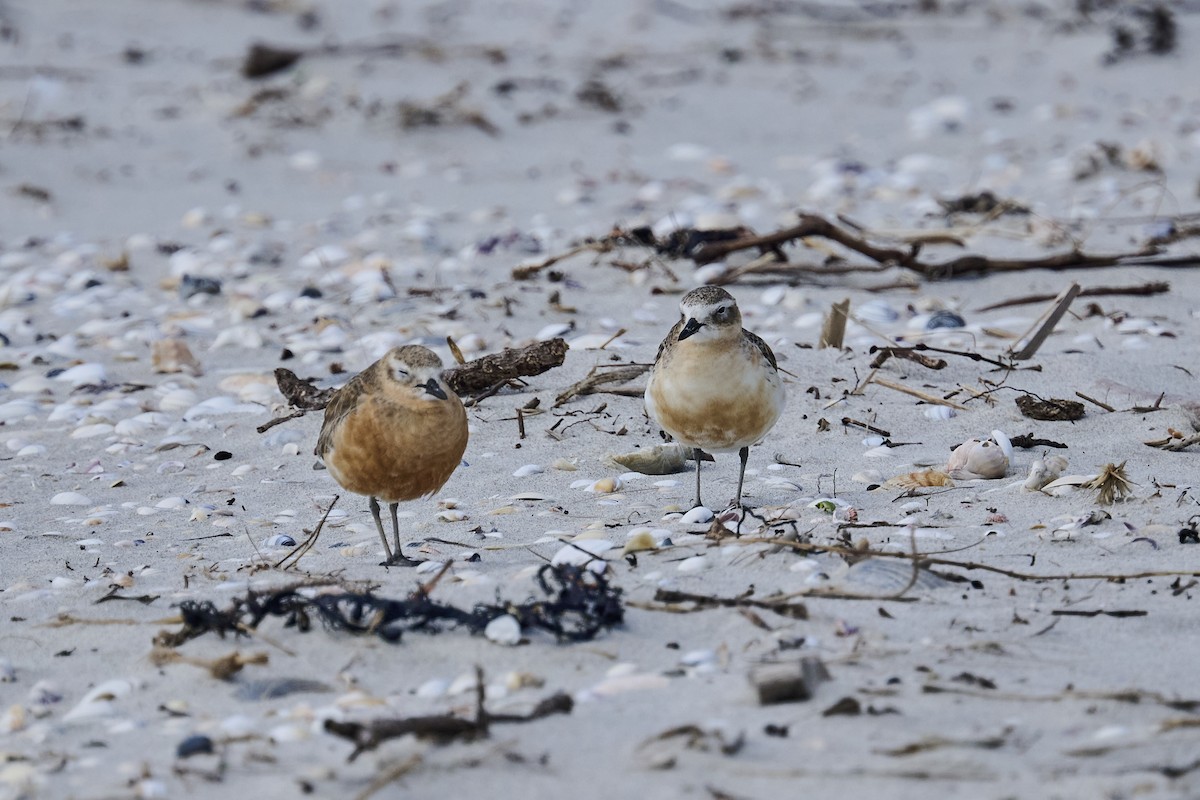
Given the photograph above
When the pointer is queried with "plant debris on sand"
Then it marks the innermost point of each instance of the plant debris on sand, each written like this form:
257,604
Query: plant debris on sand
578,604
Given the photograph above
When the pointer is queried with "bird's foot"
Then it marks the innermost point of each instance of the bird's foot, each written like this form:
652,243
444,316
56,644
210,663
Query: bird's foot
398,559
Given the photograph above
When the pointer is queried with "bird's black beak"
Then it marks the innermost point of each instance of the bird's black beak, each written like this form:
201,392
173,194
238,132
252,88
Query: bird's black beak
690,327
434,389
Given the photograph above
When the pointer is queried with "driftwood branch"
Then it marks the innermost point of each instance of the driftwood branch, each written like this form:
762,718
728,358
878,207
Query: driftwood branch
1142,290
592,382
483,373
442,728
811,225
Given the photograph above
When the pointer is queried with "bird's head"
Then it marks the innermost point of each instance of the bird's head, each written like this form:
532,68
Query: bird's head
418,370
709,312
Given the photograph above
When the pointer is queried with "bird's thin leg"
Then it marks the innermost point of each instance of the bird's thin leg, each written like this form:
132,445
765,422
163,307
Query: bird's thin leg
744,455
696,453
398,559
387,550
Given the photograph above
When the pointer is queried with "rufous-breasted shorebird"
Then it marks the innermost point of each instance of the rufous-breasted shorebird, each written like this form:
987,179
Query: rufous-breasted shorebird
714,386
395,432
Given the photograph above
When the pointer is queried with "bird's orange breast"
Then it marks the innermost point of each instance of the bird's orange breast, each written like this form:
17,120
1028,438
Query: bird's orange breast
398,452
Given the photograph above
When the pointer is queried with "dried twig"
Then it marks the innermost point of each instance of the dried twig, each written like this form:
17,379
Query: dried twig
596,378
442,728
308,543
813,225
524,272
700,602
1175,442
907,353
926,560
1142,290
928,398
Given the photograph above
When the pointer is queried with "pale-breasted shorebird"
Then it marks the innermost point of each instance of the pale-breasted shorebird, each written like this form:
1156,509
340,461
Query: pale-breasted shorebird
714,386
395,432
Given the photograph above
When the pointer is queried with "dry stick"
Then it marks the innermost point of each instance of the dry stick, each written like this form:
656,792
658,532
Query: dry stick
809,225
928,398
1175,444
620,332
526,271
308,543
1095,402
967,565
594,379
812,225
485,394
389,776
925,348
704,601
1144,290
908,353
869,428
1042,329
455,351
1120,696
266,426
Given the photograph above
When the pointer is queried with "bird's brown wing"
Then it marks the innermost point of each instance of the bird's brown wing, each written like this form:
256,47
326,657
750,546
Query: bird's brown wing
672,336
763,348
343,402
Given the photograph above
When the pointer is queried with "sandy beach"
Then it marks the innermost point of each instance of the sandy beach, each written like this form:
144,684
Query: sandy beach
177,223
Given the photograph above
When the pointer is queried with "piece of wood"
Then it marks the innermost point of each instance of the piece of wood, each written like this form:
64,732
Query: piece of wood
1141,290
788,682
597,378
485,372
928,398
1042,329
834,330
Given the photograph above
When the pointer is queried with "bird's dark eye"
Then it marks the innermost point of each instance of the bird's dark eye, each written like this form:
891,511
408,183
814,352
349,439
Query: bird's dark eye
722,311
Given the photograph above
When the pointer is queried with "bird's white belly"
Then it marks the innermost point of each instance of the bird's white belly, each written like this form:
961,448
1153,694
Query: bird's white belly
718,404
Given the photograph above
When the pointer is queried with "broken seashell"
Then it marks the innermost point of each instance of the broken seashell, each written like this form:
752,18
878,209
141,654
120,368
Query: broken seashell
663,459
1043,471
639,541
1001,438
504,630
173,355
915,480
977,459
605,486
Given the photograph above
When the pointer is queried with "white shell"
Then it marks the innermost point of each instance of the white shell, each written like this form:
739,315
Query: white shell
583,552
940,412
977,459
1043,471
99,701
697,515
504,630
81,374
1001,438
70,499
